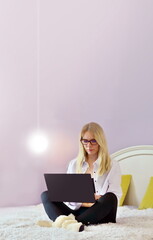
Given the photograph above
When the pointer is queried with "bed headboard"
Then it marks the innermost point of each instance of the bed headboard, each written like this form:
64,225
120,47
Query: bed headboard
137,161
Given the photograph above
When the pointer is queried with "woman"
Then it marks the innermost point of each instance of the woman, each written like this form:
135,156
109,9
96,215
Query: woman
93,158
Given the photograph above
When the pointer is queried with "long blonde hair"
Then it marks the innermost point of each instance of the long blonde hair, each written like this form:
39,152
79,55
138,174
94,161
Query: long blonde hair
103,154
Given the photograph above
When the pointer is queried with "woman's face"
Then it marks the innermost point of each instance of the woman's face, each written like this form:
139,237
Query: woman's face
91,149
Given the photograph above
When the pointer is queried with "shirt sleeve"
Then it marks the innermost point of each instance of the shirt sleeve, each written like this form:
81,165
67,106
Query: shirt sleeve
72,169
114,180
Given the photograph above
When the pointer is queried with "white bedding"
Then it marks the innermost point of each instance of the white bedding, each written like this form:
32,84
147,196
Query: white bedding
20,223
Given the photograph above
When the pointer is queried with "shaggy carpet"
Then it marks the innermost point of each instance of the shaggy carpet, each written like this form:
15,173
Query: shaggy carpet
20,223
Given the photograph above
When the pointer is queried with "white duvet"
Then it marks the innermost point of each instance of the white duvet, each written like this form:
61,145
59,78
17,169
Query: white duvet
20,223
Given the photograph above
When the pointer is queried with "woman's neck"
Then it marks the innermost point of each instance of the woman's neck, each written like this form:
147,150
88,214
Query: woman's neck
92,158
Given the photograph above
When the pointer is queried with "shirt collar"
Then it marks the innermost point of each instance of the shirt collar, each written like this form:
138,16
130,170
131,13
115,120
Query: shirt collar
96,163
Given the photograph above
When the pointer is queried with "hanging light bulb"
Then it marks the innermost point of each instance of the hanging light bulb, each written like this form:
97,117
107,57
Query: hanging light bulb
38,142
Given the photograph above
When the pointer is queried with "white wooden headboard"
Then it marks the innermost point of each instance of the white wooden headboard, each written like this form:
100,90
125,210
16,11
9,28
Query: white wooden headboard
137,161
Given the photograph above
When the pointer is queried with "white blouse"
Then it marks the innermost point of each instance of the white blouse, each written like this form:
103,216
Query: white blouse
108,182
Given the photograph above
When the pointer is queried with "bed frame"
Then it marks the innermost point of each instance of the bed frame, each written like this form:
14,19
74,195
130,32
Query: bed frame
137,161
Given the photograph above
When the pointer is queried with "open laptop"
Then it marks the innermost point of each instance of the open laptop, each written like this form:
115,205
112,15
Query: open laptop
69,187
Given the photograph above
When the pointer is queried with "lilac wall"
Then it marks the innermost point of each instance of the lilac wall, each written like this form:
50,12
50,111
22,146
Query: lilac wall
95,63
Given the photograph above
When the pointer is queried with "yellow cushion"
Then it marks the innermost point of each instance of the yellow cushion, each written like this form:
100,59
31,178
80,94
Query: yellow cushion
125,183
147,201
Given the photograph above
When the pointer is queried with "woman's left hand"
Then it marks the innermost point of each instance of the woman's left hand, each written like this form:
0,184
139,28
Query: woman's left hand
91,204
97,197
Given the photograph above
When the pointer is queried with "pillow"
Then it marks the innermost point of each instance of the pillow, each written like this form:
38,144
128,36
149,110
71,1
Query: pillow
147,201
125,183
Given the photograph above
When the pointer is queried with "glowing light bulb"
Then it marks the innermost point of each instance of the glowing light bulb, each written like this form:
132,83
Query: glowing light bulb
38,142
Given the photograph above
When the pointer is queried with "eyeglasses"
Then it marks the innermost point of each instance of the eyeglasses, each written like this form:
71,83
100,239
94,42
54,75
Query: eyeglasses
92,141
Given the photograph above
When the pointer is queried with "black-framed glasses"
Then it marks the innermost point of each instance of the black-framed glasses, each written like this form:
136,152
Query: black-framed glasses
92,141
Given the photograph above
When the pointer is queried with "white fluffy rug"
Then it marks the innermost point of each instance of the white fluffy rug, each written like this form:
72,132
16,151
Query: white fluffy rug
20,223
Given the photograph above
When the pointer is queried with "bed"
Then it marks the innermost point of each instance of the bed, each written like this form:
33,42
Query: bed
20,223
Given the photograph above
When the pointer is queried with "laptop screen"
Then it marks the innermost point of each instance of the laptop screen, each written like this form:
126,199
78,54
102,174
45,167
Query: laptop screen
64,187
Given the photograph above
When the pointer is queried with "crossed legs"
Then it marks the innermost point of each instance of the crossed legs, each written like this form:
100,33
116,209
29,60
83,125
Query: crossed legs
103,211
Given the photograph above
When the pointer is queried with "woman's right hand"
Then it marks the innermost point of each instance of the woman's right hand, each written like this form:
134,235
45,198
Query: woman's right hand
87,204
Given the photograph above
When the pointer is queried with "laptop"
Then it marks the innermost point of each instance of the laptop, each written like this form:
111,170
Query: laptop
70,187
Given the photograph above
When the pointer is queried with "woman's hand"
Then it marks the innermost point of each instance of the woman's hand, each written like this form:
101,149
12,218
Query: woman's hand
90,204
87,204
97,197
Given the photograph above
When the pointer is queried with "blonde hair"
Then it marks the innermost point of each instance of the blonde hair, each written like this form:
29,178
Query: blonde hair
103,154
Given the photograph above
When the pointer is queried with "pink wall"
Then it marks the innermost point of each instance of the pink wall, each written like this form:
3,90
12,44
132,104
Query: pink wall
95,65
